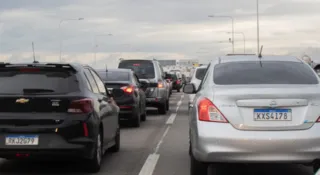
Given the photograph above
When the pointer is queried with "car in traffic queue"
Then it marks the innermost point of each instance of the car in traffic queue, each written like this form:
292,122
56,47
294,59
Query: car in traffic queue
255,109
151,72
176,82
130,97
56,111
170,83
196,79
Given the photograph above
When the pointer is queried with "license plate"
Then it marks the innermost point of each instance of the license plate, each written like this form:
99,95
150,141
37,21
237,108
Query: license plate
22,140
272,114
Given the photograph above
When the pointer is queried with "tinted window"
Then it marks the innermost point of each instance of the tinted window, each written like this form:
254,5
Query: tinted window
43,81
200,73
114,76
92,82
143,68
99,82
172,76
271,72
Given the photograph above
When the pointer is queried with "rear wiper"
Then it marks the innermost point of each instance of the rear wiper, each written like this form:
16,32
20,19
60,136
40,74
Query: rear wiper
37,90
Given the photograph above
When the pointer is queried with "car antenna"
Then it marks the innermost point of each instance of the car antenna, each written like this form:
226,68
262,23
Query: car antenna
106,68
34,55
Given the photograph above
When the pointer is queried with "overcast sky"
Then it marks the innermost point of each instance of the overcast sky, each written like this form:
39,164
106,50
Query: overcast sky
164,29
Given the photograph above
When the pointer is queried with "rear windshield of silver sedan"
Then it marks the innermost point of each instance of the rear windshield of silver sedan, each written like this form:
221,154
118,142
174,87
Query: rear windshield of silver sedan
264,72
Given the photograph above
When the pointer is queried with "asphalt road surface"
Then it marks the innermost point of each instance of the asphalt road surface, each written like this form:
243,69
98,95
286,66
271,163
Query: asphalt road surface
158,147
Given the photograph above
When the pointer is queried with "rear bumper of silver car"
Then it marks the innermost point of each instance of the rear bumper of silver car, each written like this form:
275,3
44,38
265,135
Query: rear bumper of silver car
219,142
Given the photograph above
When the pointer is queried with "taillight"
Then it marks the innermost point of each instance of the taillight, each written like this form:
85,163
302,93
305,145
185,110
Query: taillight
160,84
178,82
81,106
208,112
29,69
85,129
128,89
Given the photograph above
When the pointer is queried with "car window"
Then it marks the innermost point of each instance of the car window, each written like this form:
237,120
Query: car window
268,72
144,69
205,77
99,82
114,76
200,73
92,82
55,80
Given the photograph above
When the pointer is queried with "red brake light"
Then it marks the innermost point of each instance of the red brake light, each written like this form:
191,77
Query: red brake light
208,112
29,69
136,64
128,89
85,129
81,106
178,82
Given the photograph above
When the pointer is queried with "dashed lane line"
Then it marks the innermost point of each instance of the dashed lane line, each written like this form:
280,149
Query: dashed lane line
152,160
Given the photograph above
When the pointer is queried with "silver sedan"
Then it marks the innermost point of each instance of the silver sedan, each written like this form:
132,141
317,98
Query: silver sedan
255,110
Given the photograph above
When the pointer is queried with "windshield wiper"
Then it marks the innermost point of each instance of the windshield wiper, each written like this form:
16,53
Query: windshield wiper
32,91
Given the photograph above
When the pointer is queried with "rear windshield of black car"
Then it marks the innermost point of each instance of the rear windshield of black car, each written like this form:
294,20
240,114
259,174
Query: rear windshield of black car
39,82
265,72
200,73
143,68
114,76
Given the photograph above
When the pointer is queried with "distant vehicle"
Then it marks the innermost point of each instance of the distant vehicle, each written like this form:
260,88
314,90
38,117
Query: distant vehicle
176,83
132,98
255,110
56,111
150,71
170,83
196,79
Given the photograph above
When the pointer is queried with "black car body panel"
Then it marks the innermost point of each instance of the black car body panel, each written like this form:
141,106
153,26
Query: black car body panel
54,110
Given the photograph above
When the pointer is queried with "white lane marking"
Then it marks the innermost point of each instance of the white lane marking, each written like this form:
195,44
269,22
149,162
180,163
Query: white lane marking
152,160
161,140
150,164
171,118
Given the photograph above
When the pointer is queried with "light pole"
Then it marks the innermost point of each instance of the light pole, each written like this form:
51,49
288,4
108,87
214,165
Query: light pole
258,28
244,40
232,19
61,21
95,45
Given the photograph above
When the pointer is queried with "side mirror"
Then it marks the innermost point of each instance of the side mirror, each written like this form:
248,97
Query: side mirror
117,93
189,89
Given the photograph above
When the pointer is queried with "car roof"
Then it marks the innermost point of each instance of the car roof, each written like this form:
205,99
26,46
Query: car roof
115,70
73,65
239,58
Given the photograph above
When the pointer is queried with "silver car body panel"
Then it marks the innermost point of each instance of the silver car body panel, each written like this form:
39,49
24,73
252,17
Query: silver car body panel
245,140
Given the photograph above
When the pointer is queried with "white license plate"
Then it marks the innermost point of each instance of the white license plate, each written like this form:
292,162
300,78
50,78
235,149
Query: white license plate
272,114
22,140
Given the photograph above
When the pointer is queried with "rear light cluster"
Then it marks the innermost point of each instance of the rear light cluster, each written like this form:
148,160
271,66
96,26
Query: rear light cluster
208,112
29,69
128,89
178,81
160,84
81,106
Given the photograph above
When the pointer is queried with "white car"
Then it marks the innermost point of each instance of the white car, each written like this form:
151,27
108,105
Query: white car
196,78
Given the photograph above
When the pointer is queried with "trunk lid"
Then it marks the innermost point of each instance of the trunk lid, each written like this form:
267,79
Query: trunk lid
276,107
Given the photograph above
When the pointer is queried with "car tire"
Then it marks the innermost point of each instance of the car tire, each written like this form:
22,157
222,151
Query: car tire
136,120
144,115
162,109
198,168
116,147
167,105
94,164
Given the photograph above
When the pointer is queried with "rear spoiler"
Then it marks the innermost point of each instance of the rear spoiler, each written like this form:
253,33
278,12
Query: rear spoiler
38,65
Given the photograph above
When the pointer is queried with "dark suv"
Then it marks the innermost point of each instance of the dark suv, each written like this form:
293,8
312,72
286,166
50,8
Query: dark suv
56,111
150,71
131,99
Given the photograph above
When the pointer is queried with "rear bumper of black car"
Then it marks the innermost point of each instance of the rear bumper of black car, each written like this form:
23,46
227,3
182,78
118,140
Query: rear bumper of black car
128,112
50,147
155,102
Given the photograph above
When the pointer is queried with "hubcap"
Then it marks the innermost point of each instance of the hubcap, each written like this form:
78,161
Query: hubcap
99,149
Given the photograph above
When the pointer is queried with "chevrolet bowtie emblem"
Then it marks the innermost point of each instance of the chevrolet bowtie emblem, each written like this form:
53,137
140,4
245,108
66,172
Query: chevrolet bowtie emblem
22,100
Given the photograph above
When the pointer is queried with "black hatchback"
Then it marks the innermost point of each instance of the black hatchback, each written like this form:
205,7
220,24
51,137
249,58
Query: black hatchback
130,96
56,111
